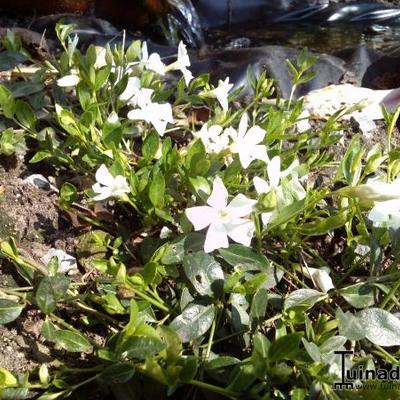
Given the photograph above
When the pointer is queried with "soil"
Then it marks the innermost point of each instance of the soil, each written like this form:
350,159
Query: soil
32,216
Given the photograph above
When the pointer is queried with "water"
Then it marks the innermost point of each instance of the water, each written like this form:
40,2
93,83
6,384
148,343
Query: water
323,39
184,18
318,35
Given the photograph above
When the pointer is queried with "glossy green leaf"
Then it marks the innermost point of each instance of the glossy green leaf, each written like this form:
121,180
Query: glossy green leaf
195,321
204,273
359,295
118,373
9,311
302,298
157,191
380,327
285,347
24,114
258,307
72,341
49,290
350,325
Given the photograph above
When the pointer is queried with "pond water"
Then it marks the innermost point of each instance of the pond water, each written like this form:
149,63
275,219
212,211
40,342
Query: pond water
325,39
320,27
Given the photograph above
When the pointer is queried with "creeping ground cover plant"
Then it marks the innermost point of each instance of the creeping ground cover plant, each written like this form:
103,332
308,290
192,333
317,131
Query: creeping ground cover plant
221,253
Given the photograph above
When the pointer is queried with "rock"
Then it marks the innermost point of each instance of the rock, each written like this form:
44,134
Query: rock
40,182
67,263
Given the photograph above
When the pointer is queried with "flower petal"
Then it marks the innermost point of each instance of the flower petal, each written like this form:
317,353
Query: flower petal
155,64
103,176
241,231
102,192
240,206
261,185
137,114
243,124
266,217
219,195
260,153
68,80
274,171
320,277
200,217
120,185
131,89
216,238
255,135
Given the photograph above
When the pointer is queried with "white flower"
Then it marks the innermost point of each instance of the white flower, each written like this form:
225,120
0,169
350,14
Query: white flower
68,80
214,138
246,142
320,277
386,214
152,62
223,220
134,94
131,90
113,118
221,93
155,113
375,190
182,63
274,175
108,185
165,232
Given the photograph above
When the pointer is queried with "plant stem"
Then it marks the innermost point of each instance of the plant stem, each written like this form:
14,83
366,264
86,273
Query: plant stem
211,339
214,389
389,296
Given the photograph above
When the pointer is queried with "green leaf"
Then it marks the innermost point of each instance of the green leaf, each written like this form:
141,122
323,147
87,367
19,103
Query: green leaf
9,311
194,322
237,254
332,344
196,160
325,225
141,347
101,77
182,245
189,366
49,290
10,59
23,89
204,273
157,191
72,341
258,307
286,213
380,327
48,331
351,167
7,378
350,326
285,347
298,394
68,194
24,114
7,102
151,145
312,350
118,373
243,378
302,298
261,344
360,295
